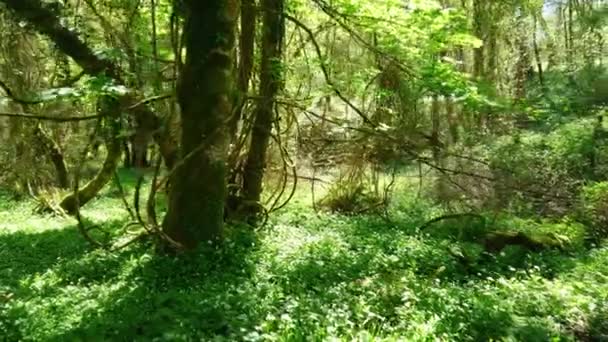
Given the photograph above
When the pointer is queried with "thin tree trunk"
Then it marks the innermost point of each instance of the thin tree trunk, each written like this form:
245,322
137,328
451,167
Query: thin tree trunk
51,148
245,69
246,46
539,62
436,148
452,118
270,82
90,190
478,26
198,191
570,34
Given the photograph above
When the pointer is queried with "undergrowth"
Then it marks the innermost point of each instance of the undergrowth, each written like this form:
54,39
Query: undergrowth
304,277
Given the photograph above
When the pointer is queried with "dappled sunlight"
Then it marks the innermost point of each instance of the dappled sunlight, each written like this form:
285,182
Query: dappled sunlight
290,171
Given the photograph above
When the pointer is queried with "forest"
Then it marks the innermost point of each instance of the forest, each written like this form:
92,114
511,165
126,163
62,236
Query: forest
303,170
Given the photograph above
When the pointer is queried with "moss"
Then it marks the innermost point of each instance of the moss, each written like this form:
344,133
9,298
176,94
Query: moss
496,241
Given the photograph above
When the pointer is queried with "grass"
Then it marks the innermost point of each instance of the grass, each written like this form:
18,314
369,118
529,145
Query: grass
305,277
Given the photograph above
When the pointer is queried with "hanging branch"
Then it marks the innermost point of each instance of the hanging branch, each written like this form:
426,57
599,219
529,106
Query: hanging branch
12,96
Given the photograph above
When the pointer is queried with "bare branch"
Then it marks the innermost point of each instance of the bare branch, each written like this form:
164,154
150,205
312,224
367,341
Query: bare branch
325,72
51,118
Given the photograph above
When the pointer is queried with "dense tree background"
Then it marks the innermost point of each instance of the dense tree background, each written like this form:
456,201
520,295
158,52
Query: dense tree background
295,170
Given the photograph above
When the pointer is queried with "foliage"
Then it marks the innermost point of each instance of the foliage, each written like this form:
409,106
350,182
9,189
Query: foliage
306,277
551,165
483,113
593,209
350,194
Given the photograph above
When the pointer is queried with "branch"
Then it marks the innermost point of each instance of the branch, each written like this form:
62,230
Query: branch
51,118
45,21
12,96
151,99
325,72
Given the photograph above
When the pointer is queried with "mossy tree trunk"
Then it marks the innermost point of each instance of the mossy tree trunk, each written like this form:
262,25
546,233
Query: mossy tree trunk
109,107
271,77
90,190
198,190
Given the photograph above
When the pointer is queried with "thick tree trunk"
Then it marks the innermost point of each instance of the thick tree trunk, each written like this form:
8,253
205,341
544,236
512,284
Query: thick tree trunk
198,191
270,83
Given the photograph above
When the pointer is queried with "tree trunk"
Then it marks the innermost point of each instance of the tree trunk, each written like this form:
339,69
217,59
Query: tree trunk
198,190
90,190
537,57
270,83
55,155
436,148
245,69
246,54
479,31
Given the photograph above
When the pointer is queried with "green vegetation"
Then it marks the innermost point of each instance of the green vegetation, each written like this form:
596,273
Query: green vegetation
303,170
302,277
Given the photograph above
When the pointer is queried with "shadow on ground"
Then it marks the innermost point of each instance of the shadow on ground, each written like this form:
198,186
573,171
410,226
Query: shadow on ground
61,290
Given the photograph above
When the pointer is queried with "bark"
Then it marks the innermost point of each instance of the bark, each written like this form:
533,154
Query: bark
198,191
45,21
52,149
523,64
139,148
270,83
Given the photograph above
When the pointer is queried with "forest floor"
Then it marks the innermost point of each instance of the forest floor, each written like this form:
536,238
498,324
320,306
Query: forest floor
303,277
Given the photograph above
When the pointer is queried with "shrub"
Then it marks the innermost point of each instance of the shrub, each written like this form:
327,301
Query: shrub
537,173
593,210
348,196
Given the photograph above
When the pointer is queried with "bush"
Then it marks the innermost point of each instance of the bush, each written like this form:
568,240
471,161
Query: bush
536,173
593,210
347,197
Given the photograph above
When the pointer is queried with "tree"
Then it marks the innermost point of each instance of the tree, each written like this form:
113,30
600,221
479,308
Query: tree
270,84
44,19
198,185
